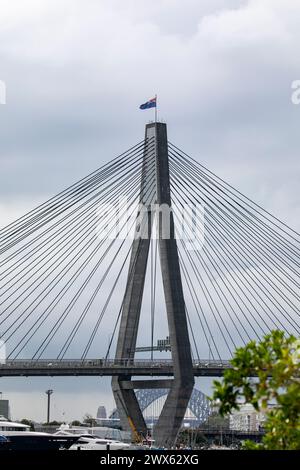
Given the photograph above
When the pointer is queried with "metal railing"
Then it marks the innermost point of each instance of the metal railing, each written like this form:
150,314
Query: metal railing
106,363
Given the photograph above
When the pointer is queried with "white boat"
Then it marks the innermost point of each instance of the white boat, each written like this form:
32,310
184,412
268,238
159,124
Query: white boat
87,441
95,443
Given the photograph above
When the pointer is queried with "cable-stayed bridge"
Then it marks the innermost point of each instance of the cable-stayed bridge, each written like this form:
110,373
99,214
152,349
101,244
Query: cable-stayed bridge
150,243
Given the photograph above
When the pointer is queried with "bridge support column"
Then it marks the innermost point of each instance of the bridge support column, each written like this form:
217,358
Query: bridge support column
129,411
170,420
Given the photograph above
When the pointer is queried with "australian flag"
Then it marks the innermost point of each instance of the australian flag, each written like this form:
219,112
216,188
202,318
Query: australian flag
149,104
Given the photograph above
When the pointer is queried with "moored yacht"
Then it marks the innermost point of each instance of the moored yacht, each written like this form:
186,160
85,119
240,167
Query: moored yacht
88,441
96,443
20,437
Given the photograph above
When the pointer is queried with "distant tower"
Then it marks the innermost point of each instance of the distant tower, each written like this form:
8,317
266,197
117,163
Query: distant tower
180,388
4,407
101,413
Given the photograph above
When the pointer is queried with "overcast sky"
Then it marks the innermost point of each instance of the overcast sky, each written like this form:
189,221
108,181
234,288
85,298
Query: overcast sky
76,73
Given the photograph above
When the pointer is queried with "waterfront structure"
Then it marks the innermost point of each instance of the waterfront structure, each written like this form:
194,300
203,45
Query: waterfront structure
198,409
101,412
246,419
4,409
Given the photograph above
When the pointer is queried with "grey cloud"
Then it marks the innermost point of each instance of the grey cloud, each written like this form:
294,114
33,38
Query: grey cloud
76,73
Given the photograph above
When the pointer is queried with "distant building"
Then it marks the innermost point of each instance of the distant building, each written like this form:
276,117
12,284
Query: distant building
110,422
246,419
101,413
4,409
216,422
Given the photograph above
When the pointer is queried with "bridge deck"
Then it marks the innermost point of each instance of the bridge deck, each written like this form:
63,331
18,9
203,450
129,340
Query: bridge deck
103,367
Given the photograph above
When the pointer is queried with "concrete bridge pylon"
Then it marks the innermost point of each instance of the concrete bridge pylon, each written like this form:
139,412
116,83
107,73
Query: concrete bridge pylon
181,385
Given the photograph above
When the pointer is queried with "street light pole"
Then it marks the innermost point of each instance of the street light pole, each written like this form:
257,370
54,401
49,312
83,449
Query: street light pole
48,393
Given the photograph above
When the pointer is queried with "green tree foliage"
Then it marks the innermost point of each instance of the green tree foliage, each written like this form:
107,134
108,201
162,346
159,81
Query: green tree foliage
216,422
27,422
276,362
89,420
76,423
53,423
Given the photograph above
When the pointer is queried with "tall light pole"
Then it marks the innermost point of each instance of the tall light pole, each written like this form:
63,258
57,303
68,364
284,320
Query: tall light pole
48,393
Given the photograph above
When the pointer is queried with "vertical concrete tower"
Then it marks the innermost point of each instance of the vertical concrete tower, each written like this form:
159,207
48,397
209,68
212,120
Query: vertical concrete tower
181,386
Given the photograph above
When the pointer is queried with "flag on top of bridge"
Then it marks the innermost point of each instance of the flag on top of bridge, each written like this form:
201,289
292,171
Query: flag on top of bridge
149,104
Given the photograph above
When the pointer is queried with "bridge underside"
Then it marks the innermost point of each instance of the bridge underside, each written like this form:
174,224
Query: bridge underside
94,368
